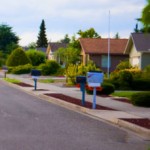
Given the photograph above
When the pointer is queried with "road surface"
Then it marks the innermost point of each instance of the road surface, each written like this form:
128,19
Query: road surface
29,123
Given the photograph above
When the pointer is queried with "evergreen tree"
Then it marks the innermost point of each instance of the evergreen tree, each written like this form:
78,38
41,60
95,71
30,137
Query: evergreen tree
117,36
42,39
66,39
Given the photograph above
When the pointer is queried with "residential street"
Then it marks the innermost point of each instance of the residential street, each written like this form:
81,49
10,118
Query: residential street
29,123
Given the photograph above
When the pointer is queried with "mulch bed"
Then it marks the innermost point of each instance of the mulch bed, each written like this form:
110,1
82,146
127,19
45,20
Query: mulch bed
24,84
77,101
143,122
28,85
41,90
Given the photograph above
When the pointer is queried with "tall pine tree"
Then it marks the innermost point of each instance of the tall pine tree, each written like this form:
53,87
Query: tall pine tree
42,39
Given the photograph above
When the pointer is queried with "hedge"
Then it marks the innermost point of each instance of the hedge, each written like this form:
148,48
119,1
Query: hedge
141,99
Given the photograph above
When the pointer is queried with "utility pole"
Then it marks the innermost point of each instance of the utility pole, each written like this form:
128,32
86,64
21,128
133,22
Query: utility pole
108,63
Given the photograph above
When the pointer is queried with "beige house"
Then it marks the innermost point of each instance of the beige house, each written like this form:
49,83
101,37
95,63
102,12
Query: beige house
138,48
52,48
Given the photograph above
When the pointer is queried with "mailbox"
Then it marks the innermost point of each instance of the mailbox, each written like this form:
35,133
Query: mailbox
5,68
35,72
80,79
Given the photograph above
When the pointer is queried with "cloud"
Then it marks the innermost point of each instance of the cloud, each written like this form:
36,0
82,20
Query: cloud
68,16
27,37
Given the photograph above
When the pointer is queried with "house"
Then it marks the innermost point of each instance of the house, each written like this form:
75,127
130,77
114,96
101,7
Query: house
138,48
96,49
52,48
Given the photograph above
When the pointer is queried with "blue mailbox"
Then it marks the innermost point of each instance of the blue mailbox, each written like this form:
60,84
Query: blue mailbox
35,74
82,81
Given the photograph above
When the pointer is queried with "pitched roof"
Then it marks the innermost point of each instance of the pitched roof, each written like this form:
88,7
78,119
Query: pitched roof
141,42
100,45
55,46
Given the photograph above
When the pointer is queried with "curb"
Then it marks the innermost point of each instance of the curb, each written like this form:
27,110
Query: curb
143,132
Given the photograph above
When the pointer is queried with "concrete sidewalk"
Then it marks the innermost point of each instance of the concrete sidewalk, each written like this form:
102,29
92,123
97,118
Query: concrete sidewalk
124,110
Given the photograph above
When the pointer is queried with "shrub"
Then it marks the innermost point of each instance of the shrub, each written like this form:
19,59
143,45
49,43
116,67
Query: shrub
71,73
49,68
123,65
36,57
141,84
141,99
136,73
125,80
60,72
107,89
18,57
22,69
146,72
122,80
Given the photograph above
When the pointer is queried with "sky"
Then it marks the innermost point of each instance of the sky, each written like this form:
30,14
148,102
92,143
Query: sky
69,16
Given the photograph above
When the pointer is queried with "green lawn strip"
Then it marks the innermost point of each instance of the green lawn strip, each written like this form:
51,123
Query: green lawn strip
12,80
126,94
51,80
46,80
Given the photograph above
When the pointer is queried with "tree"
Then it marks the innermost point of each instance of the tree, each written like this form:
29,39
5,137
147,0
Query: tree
136,30
90,33
18,57
32,45
68,55
42,39
117,36
66,39
145,18
8,39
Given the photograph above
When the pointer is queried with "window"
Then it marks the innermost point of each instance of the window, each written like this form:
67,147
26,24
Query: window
105,61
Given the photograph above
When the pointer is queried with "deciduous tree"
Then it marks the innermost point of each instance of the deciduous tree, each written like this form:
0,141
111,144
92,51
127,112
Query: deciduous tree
8,39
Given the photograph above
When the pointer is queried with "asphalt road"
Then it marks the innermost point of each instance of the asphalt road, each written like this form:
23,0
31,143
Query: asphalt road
29,123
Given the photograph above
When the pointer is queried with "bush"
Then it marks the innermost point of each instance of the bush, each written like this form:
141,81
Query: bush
146,72
125,80
141,84
107,89
36,57
123,65
49,68
122,80
18,57
22,69
141,99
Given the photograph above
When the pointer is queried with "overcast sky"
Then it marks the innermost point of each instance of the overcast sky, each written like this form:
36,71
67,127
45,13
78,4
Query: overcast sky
69,16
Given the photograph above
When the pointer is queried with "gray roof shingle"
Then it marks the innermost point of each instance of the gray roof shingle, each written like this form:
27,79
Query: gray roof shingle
141,41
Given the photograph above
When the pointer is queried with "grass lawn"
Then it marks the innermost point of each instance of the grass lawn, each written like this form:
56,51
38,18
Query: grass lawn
51,80
126,94
12,80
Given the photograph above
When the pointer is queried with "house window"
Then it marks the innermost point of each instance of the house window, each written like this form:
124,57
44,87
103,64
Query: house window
104,62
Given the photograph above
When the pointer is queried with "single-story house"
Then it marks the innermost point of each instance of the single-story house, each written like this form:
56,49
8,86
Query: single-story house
52,48
96,49
138,48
